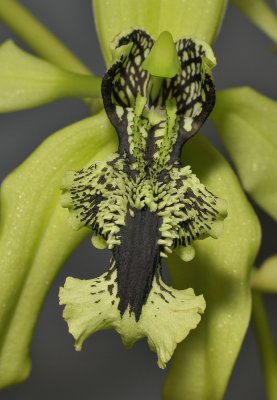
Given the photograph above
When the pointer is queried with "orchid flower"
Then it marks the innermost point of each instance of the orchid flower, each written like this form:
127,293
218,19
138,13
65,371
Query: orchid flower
147,185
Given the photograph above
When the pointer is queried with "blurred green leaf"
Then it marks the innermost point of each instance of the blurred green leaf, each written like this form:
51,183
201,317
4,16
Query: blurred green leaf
265,277
246,122
27,81
198,18
203,363
35,236
259,12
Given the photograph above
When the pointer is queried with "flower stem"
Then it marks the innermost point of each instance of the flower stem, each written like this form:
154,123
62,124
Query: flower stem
38,38
265,345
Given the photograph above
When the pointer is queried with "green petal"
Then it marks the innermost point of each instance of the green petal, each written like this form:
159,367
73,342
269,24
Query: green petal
28,81
179,17
246,122
202,364
265,277
261,15
35,236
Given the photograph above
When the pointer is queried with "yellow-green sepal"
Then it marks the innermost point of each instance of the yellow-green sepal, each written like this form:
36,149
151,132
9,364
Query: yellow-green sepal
246,122
27,81
35,235
264,278
179,17
202,364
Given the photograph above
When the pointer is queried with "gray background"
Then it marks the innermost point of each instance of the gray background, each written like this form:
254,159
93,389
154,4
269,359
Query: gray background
104,369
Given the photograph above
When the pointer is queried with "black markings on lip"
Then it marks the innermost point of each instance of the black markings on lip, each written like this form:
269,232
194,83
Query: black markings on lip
161,296
110,289
136,259
162,287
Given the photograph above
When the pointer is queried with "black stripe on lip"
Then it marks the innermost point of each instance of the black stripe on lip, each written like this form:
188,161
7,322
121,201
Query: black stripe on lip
136,259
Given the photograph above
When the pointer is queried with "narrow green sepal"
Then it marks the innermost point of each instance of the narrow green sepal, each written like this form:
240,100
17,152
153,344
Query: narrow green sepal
264,278
265,345
35,237
246,122
27,81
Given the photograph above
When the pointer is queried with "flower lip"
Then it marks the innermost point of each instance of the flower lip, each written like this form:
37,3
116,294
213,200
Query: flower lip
142,202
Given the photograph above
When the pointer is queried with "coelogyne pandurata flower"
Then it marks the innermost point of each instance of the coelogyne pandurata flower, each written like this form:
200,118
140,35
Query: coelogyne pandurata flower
141,202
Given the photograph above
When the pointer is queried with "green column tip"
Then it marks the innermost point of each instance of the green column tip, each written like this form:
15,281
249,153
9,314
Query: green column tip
163,59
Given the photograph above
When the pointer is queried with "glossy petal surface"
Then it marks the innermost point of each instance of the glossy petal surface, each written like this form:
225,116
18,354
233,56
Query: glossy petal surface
246,122
27,81
35,236
265,277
